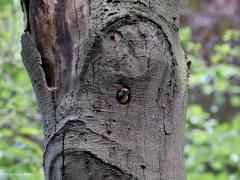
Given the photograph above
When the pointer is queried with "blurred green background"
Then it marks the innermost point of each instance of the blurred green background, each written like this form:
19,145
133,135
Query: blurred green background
20,125
211,38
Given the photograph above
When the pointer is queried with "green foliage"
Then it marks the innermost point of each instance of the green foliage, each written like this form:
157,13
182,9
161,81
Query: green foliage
212,146
20,126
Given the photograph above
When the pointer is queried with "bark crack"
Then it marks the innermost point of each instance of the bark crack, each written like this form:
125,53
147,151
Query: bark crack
79,39
25,9
63,155
160,172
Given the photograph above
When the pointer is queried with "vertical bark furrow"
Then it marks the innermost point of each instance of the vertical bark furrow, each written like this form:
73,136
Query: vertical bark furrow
64,44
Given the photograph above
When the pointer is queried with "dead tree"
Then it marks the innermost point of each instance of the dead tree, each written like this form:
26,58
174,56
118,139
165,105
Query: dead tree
110,78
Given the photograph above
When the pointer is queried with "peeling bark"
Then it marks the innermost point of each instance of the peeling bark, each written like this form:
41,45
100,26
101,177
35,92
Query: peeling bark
77,54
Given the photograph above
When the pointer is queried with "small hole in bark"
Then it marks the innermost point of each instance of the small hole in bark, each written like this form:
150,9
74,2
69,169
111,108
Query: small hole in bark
163,107
116,37
87,161
112,37
123,94
109,1
71,136
174,18
189,63
112,13
143,35
143,166
109,132
82,133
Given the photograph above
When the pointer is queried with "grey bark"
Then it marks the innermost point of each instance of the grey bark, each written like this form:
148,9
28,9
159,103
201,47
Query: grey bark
77,53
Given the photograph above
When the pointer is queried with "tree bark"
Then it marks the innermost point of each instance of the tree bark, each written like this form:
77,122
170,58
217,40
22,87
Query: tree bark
77,54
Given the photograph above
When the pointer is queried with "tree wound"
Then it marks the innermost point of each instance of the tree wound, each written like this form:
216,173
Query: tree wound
123,94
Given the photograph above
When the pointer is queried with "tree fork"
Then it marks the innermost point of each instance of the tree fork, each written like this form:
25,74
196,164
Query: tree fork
77,54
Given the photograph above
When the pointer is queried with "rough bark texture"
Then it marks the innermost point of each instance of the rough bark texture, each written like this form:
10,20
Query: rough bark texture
77,52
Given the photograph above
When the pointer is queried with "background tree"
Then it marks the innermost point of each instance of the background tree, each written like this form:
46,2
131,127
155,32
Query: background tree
211,37
79,56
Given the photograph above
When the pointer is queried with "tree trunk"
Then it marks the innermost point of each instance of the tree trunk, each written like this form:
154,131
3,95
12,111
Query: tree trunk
82,57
